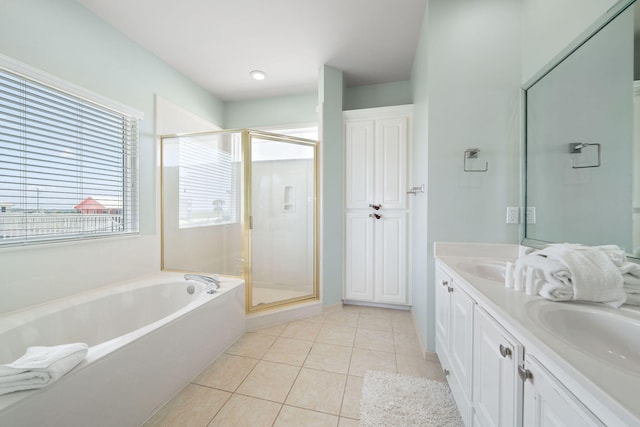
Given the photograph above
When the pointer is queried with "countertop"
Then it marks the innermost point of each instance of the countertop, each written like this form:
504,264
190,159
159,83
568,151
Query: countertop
610,392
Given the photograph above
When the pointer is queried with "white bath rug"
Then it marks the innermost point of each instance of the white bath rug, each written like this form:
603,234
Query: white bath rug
399,400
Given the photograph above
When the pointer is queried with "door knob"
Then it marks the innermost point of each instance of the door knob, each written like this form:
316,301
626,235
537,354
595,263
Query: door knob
375,215
376,207
505,351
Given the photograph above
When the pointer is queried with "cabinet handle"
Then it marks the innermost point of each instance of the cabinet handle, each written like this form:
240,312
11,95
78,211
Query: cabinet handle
375,215
376,207
524,374
505,351
450,289
445,283
446,372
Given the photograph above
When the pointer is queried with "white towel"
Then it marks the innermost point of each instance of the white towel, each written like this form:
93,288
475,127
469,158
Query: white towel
633,299
593,276
40,366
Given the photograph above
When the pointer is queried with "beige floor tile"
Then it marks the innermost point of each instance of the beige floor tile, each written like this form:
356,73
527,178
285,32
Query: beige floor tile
297,417
274,330
193,406
402,325
289,351
302,330
251,345
318,319
269,380
329,357
351,307
374,340
369,360
406,344
336,334
227,372
244,411
352,396
377,321
416,366
342,318
318,391
348,422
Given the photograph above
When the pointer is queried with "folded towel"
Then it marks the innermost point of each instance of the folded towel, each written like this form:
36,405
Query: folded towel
40,366
594,277
633,299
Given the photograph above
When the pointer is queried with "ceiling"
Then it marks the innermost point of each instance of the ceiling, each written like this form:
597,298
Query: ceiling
217,43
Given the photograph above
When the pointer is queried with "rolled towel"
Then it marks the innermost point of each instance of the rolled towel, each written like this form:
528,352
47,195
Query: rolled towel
633,299
593,275
40,366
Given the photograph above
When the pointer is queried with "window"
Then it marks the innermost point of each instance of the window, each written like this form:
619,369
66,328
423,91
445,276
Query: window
209,177
68,166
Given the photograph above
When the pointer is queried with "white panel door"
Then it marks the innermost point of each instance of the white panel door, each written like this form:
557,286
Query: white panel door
359,255
497,389
461,339
359,164
391,257
443,282
547,403
391,141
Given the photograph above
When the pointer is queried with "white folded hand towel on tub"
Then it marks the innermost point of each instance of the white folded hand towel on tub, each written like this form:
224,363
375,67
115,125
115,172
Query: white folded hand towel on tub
40,366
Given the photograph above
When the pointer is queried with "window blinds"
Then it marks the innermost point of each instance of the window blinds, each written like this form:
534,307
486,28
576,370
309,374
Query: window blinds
68,166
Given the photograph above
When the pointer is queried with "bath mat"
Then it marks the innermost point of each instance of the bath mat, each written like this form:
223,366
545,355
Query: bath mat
399,400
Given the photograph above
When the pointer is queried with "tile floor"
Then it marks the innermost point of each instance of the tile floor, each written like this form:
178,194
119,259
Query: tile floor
303,373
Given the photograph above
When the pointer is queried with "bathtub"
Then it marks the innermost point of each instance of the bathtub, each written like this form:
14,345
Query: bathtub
147,339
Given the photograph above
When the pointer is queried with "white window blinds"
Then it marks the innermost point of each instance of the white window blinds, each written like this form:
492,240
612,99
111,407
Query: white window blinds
68,166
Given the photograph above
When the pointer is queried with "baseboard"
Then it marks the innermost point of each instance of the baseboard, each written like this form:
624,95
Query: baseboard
377,304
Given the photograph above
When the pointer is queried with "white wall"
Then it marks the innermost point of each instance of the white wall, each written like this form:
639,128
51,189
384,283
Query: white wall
66,40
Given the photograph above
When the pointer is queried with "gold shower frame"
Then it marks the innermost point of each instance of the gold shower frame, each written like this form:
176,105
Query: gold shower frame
246,210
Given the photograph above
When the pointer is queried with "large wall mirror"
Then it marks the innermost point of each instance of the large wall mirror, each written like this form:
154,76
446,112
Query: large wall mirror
582,140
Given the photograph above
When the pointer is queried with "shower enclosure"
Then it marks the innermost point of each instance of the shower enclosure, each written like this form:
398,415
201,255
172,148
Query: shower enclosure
242,203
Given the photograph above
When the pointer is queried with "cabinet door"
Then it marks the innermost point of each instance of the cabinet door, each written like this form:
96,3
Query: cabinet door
359,164
497,389
443,282
359,256
390,258
461,338
391,142
547,403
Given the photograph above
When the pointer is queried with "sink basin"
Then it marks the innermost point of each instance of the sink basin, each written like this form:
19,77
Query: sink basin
485,269
605,334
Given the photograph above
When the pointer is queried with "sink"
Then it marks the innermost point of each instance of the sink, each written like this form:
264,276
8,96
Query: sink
485,269
608,335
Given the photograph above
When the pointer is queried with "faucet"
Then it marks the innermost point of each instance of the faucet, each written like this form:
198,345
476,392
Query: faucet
210,281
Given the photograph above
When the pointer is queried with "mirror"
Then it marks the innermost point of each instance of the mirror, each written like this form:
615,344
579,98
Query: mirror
582,152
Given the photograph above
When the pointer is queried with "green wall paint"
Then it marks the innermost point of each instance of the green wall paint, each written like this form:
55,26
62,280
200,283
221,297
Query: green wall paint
378,95
330,95
281,110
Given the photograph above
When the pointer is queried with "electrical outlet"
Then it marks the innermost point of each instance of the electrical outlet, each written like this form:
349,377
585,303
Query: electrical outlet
513,215
531,215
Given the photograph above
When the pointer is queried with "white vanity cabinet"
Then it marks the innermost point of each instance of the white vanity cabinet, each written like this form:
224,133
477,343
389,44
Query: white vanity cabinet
494,376
376,143
547,403
497,388
454,340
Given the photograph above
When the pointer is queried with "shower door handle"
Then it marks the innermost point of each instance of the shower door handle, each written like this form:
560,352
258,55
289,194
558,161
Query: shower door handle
375,215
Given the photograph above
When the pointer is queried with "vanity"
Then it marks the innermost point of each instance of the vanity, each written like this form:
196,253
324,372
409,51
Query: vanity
513,359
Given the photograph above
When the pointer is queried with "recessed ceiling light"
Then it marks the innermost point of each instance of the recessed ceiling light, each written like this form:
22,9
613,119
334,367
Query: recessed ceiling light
258,75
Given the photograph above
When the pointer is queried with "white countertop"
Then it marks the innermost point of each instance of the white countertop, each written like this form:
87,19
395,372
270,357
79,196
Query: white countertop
611,393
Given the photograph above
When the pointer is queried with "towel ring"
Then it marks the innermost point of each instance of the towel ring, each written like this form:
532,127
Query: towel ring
576,148
472,153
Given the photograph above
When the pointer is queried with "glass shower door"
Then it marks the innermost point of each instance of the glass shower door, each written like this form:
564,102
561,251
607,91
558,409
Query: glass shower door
281,212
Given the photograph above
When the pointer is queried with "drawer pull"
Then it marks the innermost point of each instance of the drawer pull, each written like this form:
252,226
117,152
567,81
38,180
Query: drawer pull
445,283
505,351
450,289
524,374
446,372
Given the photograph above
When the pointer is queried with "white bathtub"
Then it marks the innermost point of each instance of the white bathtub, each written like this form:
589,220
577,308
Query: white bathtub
147,338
